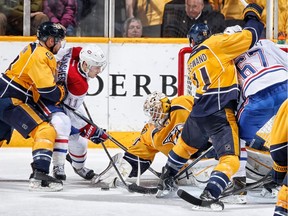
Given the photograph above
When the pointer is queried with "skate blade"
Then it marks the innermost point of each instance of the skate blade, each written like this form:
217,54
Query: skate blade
165,194
212,207
53,187
235,199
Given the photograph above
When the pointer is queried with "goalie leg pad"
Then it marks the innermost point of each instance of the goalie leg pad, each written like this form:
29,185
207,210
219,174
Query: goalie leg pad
133,161
259,163
109,175
199,174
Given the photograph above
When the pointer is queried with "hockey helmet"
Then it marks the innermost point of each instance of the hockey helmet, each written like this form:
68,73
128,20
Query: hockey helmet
157,108
94,56
50,29
198,33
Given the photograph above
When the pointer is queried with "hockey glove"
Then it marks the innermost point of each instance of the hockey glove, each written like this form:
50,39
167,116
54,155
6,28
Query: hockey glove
252,11
95,134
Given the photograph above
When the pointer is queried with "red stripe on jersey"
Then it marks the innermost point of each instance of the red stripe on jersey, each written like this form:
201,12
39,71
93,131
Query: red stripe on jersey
78,156
61,140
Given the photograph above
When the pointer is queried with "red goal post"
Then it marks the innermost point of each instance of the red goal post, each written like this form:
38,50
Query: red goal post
182,67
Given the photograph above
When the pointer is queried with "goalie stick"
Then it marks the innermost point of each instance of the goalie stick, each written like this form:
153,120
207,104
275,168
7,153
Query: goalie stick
89,121
153,190
209,203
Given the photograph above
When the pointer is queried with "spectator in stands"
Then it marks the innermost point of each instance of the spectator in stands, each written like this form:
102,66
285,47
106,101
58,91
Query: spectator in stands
232,10
63,12
12,14
150,12
3,24
178,23
282,16
132,27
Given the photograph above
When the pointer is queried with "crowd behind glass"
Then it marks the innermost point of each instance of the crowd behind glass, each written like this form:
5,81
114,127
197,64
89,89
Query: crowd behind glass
128,18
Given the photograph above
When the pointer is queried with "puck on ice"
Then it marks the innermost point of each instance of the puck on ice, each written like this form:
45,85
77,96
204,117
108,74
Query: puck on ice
105,188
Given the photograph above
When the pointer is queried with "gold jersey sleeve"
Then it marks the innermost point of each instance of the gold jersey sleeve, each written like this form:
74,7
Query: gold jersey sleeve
34,68
142,146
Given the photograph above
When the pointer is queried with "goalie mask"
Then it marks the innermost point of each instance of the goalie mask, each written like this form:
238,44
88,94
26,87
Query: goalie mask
157,107
94,58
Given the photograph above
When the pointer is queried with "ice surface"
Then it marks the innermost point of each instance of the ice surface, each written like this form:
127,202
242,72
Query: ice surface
79,198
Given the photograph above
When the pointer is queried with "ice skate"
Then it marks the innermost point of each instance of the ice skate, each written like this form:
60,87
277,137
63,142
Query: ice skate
40,181
59,173
83,172
217,205
270,190
166,186
237,183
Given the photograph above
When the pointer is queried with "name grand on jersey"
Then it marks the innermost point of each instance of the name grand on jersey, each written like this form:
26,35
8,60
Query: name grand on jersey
198,60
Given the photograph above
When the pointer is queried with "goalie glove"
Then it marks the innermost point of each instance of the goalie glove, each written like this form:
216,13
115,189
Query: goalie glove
95,134
252,11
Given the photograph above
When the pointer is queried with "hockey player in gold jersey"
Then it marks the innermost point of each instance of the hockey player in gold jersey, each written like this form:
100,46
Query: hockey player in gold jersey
160,134
212,71
278,151
29,77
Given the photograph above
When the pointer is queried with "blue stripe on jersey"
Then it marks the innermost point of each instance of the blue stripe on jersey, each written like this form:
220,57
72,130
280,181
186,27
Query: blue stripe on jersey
198,49
173,108
42,159
175,162
217,183
60,150
33,46
213,101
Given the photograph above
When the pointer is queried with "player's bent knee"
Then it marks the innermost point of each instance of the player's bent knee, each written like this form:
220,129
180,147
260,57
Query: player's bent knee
228,164
44,136
62,124
184,150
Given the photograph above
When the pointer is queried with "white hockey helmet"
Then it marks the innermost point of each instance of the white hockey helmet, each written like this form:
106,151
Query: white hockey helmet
157,108
94,56
232,29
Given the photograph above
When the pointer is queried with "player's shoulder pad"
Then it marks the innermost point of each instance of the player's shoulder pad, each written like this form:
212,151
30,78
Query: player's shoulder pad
184,102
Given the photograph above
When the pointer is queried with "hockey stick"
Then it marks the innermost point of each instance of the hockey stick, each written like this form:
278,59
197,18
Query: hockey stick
154,189
89,121
265,180
87,111
209,203
115,167
193,163
125,149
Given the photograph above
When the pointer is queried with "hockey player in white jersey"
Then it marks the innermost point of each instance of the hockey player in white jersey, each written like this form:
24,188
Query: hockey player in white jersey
76,66
262,74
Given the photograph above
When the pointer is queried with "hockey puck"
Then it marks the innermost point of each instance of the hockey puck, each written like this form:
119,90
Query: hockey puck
105,188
